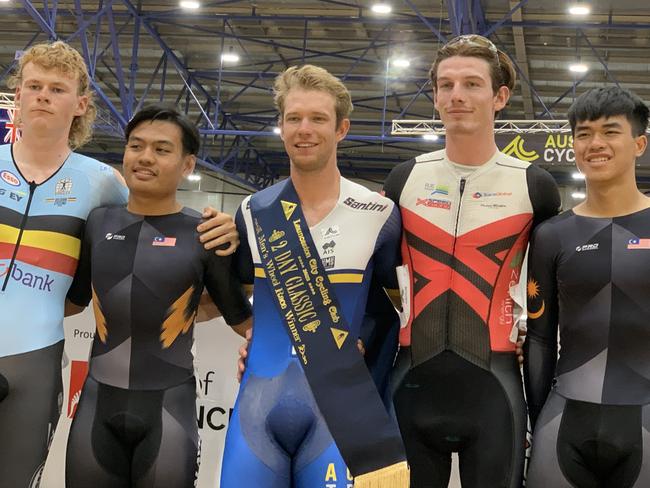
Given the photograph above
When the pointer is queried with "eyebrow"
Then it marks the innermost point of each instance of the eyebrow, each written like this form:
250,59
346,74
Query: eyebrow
468,77
316,112
38,80
160,141
607,125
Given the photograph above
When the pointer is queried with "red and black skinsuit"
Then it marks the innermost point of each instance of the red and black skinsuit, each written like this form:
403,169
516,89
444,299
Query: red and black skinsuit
457,381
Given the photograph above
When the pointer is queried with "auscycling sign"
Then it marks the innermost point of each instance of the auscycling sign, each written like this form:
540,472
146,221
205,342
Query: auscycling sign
544,148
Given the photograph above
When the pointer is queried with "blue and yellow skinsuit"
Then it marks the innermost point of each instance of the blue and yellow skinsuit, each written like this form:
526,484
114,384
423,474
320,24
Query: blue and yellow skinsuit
277,437
41,226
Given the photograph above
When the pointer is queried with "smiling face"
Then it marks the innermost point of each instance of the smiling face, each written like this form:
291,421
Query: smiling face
154,161
606,148
309,131
48,100
464,97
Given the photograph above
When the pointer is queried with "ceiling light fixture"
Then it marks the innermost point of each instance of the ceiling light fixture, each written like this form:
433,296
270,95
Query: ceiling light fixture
276,130
382,8
579,9
578,68
578,195
230,57
401,63
577,176
189,4
430,137
194,177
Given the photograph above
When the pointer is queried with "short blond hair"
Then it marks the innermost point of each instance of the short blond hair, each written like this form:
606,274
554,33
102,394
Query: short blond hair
310,77
61,57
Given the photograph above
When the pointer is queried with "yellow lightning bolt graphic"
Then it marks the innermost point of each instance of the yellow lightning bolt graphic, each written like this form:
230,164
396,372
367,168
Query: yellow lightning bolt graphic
100,320
176,321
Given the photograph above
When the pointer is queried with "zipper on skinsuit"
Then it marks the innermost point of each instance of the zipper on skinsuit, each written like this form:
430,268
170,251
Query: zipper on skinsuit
453,254
23,223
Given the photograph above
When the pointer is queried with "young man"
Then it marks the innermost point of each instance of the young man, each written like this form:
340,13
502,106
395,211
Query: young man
467,212
46,193
589,272
145,269
307,405
47,190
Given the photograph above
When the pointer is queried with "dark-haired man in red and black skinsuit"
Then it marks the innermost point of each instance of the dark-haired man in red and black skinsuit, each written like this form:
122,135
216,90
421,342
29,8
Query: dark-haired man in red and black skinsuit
467,213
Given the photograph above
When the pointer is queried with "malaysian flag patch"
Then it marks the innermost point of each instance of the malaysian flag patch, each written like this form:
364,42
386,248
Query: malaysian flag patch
637,243
164,241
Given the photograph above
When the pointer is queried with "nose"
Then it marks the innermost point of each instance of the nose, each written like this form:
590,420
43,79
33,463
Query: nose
305,126
147,156
597,141
43,96
457,93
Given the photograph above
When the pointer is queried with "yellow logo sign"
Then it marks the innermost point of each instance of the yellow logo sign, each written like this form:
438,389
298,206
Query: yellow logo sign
288,208
516,148
339,336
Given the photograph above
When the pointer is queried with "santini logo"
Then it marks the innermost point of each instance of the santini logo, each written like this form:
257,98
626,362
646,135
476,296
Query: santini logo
352,203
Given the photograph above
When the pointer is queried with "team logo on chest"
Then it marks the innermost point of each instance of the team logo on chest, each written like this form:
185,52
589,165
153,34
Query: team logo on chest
115,237
330,232
62,188
328,247
588,247
433,198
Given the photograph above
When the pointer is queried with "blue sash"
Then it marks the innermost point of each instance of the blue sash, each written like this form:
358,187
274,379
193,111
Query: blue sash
367,437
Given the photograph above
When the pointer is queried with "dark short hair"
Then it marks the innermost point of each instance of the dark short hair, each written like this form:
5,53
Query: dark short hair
609,102
168,113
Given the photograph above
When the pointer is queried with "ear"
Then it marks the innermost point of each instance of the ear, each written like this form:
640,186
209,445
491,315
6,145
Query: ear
641,142
342,130
435,98
501,98
17,96
82,105
189,163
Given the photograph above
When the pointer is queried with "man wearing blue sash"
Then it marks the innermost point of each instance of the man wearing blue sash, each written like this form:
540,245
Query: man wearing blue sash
308,414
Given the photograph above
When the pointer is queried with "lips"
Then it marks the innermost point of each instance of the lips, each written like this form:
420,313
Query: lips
598,159
143,173
305,145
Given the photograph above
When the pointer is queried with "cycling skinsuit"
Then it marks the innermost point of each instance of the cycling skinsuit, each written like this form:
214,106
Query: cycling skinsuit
458,384
136,425
40,231
277,437
592,277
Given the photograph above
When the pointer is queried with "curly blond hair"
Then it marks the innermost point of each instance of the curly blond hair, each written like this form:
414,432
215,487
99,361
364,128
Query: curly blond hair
310,77
61,57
